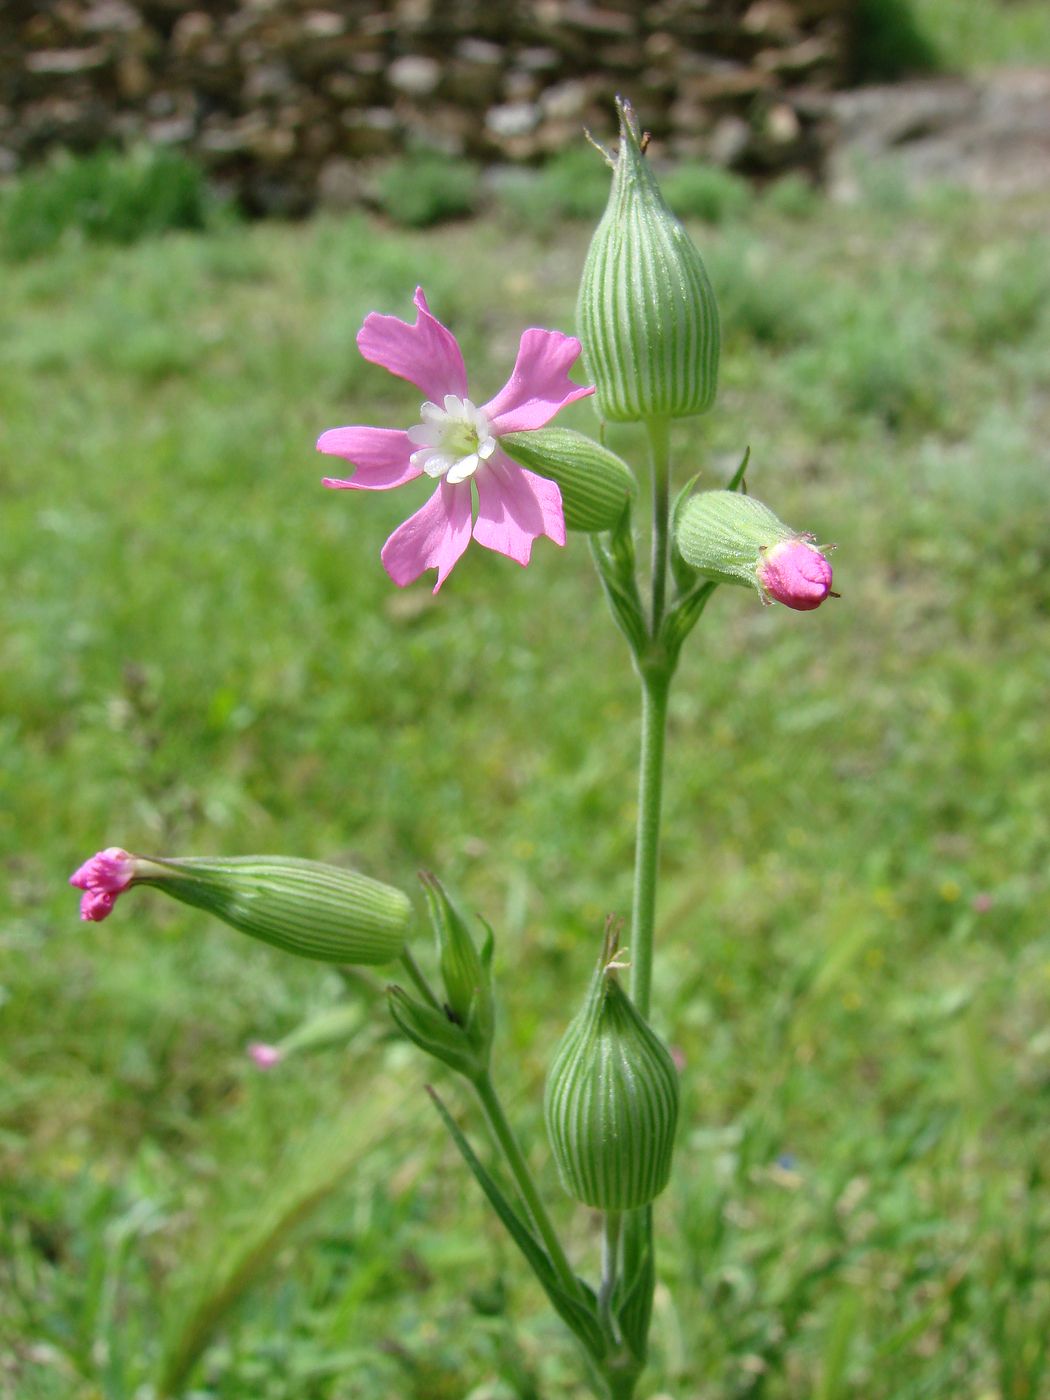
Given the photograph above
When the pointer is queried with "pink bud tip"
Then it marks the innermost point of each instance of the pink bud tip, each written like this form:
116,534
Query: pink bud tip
983,903
102,878
264,1056
795,573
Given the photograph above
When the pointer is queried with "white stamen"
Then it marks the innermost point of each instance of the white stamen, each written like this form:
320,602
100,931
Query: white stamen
453,441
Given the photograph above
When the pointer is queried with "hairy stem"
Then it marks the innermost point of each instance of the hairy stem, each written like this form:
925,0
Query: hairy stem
519,1169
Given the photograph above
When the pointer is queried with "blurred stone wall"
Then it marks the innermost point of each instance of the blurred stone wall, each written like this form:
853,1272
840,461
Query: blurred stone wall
281,98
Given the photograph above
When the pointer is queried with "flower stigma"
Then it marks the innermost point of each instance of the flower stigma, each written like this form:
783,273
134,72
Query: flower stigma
452,441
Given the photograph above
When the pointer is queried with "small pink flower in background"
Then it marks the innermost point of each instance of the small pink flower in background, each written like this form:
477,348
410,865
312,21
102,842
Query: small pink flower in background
264,1056
795,573
102,878
457,443
982,902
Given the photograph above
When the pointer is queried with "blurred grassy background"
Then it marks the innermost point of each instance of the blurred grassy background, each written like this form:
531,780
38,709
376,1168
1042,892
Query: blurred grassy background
200,652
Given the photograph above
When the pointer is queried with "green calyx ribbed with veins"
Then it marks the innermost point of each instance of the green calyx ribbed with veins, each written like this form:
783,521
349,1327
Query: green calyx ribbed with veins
646,315
611,1101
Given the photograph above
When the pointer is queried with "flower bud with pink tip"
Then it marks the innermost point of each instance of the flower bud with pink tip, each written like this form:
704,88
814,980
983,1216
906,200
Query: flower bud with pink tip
102,878
264,1056
300,906
732,538
795,573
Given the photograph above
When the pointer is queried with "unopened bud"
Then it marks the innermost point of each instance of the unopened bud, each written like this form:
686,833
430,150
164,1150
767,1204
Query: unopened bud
795,573
595,484
332,1028
435,1032
264,1056
646,315
301,906
611,1100
102,878
733,538
465,972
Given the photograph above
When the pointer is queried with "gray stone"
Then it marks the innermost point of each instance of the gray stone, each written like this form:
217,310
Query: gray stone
323,24
729,141
565,101
512,119
991,135
481,52
414,74
65,61
340,184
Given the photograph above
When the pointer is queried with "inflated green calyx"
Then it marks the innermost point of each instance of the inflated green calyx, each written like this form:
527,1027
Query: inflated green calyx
646,314
611,1101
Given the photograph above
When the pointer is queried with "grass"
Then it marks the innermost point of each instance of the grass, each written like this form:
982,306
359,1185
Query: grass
975,34
199,652
105,197
426,187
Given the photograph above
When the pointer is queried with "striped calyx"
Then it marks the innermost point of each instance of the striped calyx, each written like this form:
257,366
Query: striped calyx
646,314
595,484
300,906
733,538
611,1101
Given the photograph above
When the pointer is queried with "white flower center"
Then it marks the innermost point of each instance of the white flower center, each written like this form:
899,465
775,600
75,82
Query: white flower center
452,440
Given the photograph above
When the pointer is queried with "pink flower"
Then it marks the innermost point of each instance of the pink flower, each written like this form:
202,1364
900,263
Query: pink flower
264,1056
102,878
457,443
795,573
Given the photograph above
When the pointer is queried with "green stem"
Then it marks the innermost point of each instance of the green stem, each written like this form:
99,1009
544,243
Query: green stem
656,686
660,463
612,1233
420,982
519,1169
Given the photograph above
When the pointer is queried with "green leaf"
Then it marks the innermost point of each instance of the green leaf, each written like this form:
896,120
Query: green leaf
614,559
736,481
636,1310
580,1317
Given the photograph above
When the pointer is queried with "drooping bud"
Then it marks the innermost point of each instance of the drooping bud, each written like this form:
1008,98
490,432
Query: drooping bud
595,484
611,1101
264,1056
334,1027
733,538
301,906
465,972
102,878
646,315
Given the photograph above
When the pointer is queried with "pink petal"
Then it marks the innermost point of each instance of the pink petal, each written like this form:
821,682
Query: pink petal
426,353
108,871
515,507
96,905
539,385
380,455
433,538
796,574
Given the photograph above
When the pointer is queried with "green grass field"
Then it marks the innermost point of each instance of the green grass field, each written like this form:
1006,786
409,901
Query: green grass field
200,653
